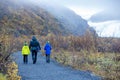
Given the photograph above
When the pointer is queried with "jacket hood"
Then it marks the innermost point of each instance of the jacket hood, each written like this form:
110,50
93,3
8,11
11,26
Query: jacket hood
47,44
34,38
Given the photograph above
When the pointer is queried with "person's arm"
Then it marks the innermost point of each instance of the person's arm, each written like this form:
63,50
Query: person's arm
39,46
30,45
45,47
50,47
22,50
28,49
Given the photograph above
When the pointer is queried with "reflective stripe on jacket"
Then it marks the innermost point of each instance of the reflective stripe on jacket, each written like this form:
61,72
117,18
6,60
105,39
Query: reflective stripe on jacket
25,50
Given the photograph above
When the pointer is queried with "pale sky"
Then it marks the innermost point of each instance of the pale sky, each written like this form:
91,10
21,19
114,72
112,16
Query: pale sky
84,12
87,8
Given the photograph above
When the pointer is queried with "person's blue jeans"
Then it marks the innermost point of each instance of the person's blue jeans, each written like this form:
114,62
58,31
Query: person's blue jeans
48,58
34,56
25,59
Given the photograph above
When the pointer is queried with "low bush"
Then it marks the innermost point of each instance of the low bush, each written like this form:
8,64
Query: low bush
3,77
7,47
12,72
101,64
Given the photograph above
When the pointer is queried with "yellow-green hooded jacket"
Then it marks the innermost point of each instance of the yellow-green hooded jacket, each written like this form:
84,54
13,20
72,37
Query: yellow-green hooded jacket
25,50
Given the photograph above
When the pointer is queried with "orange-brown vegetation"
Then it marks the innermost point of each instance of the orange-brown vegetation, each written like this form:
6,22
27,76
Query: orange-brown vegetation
7,44
96,54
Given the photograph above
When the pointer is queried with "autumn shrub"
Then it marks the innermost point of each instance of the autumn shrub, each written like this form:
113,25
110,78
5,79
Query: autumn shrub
108,66
62,56
108,44
78,43
101,64
20,41
87,52
12,72
116,45
7,47
3,77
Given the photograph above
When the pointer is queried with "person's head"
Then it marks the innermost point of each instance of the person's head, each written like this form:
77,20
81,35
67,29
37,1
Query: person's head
48,42
25,43
34,38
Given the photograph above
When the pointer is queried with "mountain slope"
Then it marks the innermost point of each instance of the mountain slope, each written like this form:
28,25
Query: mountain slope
22,18
71,21
26,17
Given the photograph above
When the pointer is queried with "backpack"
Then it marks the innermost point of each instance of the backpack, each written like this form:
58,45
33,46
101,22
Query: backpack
33,48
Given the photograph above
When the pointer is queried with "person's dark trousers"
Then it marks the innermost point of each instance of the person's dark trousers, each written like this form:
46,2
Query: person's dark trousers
34,56
25,59
48,58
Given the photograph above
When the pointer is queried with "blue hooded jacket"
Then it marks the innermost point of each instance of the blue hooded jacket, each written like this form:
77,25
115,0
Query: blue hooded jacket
48,48
34,44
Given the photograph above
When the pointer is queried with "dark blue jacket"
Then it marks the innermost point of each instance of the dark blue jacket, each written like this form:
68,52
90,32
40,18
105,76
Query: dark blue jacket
34,45
48,48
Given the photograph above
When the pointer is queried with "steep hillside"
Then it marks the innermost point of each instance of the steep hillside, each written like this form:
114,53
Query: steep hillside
26,18
69,19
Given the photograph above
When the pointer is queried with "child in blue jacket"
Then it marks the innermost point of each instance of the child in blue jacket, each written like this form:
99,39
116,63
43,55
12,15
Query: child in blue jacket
48,49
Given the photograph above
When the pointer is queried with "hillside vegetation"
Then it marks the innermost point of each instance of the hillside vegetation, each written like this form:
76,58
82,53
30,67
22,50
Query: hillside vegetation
68,18
98,55
28,20
8,68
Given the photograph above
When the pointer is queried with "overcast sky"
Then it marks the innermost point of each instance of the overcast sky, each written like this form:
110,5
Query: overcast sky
86,8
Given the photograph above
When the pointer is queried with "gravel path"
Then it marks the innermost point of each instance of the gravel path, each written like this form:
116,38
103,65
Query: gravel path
49,71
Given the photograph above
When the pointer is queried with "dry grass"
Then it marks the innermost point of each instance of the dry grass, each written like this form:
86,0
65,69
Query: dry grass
7,47
99,55
101,64
77,52
3,77
12,72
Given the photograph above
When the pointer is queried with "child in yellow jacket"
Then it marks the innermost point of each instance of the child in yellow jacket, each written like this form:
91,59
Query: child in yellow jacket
25,52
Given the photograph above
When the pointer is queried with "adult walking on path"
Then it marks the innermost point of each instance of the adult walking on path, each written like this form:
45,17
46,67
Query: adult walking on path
48,49
34,47
25,52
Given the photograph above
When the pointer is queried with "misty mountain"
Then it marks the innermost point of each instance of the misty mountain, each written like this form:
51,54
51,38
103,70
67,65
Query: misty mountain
69,19
21,18
25,17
